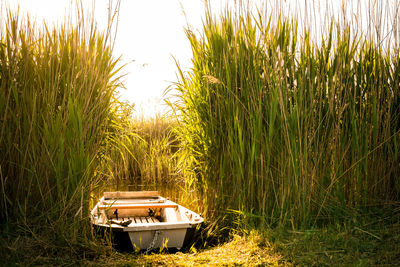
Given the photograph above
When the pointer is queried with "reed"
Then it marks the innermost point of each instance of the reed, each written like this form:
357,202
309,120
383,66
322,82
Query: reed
141,151
56,101
281,128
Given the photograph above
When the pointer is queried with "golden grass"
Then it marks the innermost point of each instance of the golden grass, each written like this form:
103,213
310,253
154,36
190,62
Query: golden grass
252,250
141,151
246,251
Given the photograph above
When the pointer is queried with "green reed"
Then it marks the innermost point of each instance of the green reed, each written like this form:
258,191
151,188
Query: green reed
56,101
141,150
283,129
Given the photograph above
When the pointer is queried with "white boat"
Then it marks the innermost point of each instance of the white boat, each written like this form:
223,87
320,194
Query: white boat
145,219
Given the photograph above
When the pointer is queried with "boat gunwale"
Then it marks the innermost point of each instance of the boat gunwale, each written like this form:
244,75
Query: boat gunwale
169,204
148,226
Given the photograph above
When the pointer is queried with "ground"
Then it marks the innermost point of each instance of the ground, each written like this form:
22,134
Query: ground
240,251
332,246
324,247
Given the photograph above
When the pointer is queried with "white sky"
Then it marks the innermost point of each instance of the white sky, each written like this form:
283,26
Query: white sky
151,32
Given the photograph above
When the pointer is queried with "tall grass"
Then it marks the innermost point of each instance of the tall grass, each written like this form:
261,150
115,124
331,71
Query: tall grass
56,101
141,151
281,128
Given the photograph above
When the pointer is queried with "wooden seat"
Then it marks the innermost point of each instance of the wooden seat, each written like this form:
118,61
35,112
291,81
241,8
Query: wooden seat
139,206
111,202
130,194
143,220
132,221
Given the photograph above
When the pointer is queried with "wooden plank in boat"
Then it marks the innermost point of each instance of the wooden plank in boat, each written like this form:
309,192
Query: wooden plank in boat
130,194
139,206
153,220
133,201
143,220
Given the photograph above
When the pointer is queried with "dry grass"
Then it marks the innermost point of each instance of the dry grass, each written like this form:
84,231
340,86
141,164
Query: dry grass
240,251
253,250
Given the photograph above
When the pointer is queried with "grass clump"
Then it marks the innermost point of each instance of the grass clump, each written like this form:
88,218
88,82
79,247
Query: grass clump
56,99
281,129
141,151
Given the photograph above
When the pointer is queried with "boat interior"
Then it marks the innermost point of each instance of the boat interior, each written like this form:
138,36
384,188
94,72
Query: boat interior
133,209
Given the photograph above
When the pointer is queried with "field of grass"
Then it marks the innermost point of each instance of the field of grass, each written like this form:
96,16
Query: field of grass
286,139
301,132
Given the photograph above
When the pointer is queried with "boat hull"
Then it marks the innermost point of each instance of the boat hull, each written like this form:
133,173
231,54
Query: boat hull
167,238
145,223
